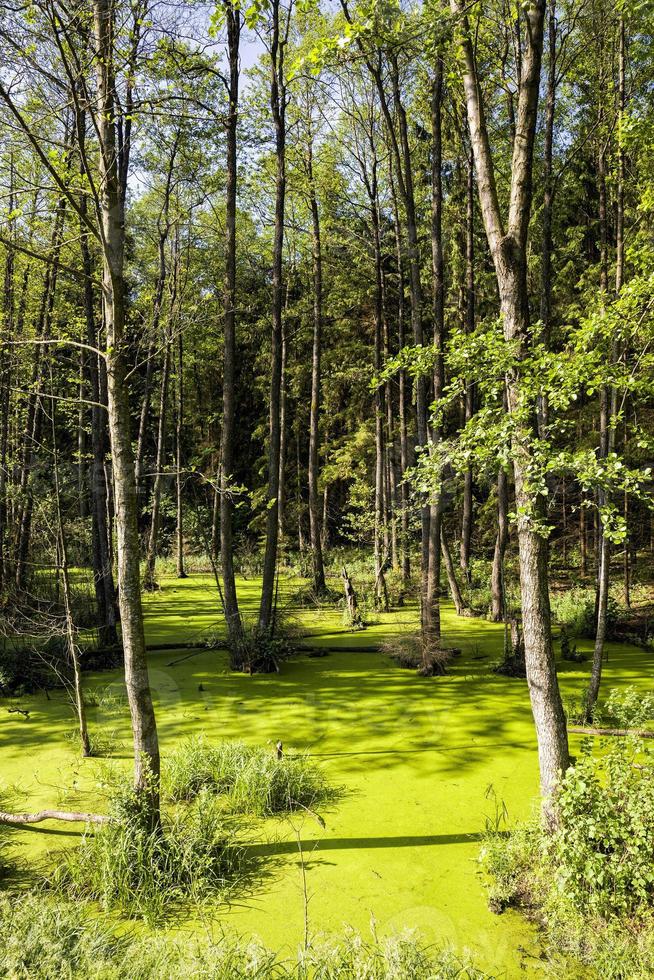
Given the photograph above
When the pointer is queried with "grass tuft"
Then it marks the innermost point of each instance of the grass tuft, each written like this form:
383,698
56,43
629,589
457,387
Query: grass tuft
251,780
145,873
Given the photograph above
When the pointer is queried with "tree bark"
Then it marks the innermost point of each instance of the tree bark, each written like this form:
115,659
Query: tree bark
112,224
314,410
278,107
34,419
509,252
18,819
149,578
431,606
179,459
8,311
402,396
71,638
498,594
232,613
103,578
469,400
608,395
462,609
381,595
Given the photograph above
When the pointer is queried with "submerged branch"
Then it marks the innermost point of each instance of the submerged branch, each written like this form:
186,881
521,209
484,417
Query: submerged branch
638,732
71,817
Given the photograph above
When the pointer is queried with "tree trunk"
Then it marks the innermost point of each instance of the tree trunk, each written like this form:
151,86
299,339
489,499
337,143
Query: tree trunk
431,604
462,609
8,311
103,577
583,542
404,170
179,460
71,637
18,819
354,616
381,595
112,218
498,592
402,397
149,579
608,395
232,614
314,410
283,426
469,402
509,252
278,107
33,421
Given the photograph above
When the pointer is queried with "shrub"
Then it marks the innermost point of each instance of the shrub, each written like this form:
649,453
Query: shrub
252,780
306,597
407,652
261,651
591,880
142,872
602,851
569,650
575,609
630,708
31,669
508,859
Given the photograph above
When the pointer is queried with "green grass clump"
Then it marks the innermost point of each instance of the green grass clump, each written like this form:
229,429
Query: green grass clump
251,780
397,958
45,940
41,939
145,873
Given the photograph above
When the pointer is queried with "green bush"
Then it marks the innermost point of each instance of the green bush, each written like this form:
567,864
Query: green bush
45,940
569,650
630,708
508,859
575,609
602,852
144,873
31,669
590,881
251,780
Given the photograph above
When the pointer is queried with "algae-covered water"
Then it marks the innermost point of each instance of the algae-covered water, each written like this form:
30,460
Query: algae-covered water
424,763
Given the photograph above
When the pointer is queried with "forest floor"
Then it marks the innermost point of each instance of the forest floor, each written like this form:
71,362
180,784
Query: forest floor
424,763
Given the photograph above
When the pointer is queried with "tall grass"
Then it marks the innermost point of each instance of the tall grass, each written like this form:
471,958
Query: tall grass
145,873
45,940
397,958
250,780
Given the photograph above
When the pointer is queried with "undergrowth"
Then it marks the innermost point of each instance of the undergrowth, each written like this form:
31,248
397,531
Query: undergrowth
590,880
45,940
249,779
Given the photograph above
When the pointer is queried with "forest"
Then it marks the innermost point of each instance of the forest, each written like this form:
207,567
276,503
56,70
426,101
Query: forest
326,502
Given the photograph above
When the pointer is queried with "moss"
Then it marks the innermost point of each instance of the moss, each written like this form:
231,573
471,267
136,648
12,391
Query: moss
416,756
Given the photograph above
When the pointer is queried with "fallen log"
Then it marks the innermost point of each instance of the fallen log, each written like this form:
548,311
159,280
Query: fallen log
639,732
71,817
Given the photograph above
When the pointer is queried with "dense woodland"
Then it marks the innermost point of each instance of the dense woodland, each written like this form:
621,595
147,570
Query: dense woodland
357,296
